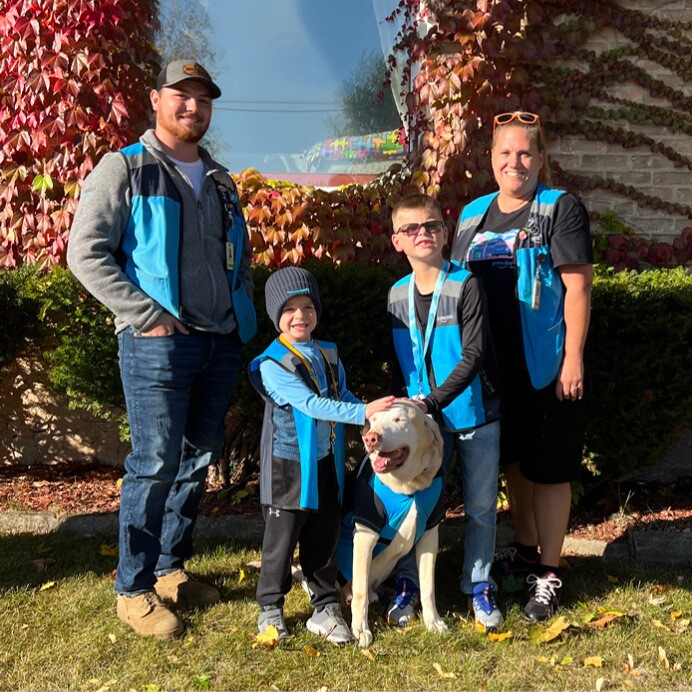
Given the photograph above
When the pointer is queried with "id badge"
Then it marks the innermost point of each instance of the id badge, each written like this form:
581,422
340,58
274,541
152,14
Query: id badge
230,256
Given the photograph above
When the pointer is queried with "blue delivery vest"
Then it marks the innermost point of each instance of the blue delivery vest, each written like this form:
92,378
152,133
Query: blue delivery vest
542,319
150,248
295,486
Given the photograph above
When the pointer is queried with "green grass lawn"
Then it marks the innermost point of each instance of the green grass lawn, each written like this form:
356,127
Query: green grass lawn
67,636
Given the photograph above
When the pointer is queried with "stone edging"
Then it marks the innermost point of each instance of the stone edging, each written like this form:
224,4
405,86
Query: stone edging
643,546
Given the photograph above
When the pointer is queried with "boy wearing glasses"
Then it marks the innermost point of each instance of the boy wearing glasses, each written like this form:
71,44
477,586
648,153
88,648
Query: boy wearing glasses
446,363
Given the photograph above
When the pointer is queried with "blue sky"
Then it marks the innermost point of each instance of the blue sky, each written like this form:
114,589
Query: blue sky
282,55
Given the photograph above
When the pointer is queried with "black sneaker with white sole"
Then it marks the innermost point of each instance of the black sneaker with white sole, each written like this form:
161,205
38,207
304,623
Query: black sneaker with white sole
544,596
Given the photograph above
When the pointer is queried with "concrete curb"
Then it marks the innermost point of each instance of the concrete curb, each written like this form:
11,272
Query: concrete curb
643,546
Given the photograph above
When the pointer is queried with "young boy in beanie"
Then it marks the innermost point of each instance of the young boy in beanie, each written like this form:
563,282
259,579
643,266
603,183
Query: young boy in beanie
447,364
302,455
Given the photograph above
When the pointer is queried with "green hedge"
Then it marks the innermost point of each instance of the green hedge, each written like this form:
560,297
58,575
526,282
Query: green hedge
639,377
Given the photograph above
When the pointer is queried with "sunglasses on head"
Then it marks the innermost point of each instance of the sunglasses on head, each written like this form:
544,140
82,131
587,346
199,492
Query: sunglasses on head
412,229
521,116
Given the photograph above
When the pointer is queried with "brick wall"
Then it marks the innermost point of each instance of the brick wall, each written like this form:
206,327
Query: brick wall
650,173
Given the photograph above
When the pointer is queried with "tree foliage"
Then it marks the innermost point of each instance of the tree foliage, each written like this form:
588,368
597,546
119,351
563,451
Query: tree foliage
72,86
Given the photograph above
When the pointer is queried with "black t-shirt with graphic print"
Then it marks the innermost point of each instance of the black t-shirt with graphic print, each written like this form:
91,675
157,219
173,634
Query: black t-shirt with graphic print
490,256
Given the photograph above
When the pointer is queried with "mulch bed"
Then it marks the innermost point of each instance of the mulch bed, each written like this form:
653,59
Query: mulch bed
71,488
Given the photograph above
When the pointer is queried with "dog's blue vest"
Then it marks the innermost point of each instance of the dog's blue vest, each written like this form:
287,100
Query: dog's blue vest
542,320
467,410
151,241
381,509
295,425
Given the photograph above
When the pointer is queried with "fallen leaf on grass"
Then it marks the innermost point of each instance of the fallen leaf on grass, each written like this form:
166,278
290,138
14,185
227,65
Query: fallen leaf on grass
109,550
112,638
151,687
241,576
663,658
311,651
676,614
268,638
629,666
48,585
442,674
661,588
613,580
599,684
594,661
657,600
254,564
661,626
499,636
188,642
540,636
680,626
606,619
552,661
368,654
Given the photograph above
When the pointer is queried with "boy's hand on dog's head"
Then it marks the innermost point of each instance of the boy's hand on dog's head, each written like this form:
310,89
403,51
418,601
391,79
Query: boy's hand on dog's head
378,405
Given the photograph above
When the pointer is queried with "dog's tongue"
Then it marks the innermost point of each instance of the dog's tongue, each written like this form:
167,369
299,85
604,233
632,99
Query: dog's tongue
387,461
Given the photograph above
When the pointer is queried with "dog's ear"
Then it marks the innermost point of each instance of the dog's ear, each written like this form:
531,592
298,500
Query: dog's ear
434,435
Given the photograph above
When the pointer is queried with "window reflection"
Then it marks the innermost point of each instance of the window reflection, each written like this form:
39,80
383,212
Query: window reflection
299,82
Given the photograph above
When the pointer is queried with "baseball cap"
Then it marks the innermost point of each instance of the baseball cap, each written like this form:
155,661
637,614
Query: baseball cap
179,70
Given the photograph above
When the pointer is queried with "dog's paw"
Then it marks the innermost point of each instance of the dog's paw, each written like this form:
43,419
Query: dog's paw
364,638
435,624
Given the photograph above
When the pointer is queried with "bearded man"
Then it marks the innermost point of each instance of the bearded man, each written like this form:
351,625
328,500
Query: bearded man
160,239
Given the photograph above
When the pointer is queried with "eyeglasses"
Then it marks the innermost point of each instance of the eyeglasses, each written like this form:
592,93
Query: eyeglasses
521,116
412,229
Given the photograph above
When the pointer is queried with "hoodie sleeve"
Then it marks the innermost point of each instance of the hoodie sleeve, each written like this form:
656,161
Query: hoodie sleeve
97,229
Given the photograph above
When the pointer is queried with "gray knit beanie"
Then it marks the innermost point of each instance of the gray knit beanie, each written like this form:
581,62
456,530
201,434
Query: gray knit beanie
288,283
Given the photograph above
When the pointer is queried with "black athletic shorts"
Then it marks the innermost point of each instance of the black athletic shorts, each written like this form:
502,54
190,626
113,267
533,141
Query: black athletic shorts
544,435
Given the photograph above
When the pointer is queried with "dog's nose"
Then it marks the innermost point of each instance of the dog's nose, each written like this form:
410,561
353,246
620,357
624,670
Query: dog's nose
371,439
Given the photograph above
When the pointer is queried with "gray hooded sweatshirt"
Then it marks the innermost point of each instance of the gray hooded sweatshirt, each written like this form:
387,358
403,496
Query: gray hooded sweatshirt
100,220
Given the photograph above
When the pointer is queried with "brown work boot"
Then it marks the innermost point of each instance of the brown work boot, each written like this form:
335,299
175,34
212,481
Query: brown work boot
180,588
148,616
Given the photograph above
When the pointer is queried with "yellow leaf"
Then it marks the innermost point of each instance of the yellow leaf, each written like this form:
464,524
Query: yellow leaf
442,674
109,550
268,638
594,661
112,638
599,684
499,637
241,576
478,627
662,658
552,632
567,661
613,580
368,654
189,642
48,585
311,651
676,614
661,626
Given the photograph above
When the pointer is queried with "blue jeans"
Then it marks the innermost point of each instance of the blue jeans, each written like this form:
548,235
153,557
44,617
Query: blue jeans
479,454
177,390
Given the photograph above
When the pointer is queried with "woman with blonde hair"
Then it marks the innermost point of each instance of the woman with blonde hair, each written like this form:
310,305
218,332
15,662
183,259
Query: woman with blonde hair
531,246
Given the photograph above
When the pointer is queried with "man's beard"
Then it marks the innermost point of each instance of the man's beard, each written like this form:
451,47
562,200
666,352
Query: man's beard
182,130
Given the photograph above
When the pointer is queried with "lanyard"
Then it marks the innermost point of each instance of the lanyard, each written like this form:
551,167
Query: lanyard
311,372
419,350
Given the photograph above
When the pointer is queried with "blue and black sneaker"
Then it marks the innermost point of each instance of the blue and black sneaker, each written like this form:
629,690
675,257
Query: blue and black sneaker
402,608
485,610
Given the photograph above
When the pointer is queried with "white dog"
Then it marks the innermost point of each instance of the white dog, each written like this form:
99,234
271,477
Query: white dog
394,507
